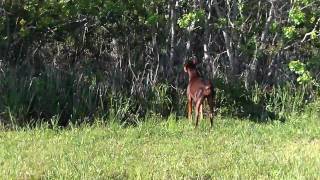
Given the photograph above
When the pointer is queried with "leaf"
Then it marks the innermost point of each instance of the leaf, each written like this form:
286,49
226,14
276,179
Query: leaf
297,16
300,69
297,67
314,35
189,18
152,20
22,22
289,32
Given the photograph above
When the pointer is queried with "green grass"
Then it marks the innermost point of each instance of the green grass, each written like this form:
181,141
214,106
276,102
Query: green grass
234,148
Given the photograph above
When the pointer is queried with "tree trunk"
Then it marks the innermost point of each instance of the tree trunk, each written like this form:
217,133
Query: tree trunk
206,54
155,49
227,35
173,38
254,66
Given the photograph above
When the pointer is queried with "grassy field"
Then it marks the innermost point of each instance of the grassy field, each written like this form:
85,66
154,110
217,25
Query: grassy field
173,149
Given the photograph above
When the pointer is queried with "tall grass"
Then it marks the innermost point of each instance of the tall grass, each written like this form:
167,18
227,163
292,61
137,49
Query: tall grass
51,93
74,98
70,97
264,103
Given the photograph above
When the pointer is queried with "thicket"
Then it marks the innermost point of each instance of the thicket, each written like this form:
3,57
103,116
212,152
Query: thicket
75,61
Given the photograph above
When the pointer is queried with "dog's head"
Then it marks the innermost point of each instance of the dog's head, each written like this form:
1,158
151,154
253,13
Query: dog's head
190,65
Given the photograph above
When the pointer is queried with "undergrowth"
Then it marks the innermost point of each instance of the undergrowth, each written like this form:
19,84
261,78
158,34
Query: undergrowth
71,98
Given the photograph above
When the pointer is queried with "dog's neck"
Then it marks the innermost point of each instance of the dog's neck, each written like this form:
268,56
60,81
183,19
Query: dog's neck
193,73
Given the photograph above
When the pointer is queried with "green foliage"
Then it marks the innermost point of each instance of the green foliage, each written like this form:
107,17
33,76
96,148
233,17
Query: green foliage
250,47
285,101
303,2
123,109
187,19
274,26
63,34
297,16
161,100
152,19
289,32
241,7
222,22
262,104
314,35
299,68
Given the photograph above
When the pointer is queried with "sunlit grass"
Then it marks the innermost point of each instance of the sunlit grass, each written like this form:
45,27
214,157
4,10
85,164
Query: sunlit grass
172,149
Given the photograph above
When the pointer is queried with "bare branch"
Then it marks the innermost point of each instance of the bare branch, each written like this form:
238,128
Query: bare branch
309,33
268,23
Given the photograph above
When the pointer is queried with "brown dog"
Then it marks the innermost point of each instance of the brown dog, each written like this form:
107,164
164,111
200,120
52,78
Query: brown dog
198,90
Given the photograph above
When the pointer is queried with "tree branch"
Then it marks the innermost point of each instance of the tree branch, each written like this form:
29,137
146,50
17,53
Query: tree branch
267,24
309,33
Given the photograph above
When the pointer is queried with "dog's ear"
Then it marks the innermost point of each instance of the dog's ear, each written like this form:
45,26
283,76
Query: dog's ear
195,61
185,68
